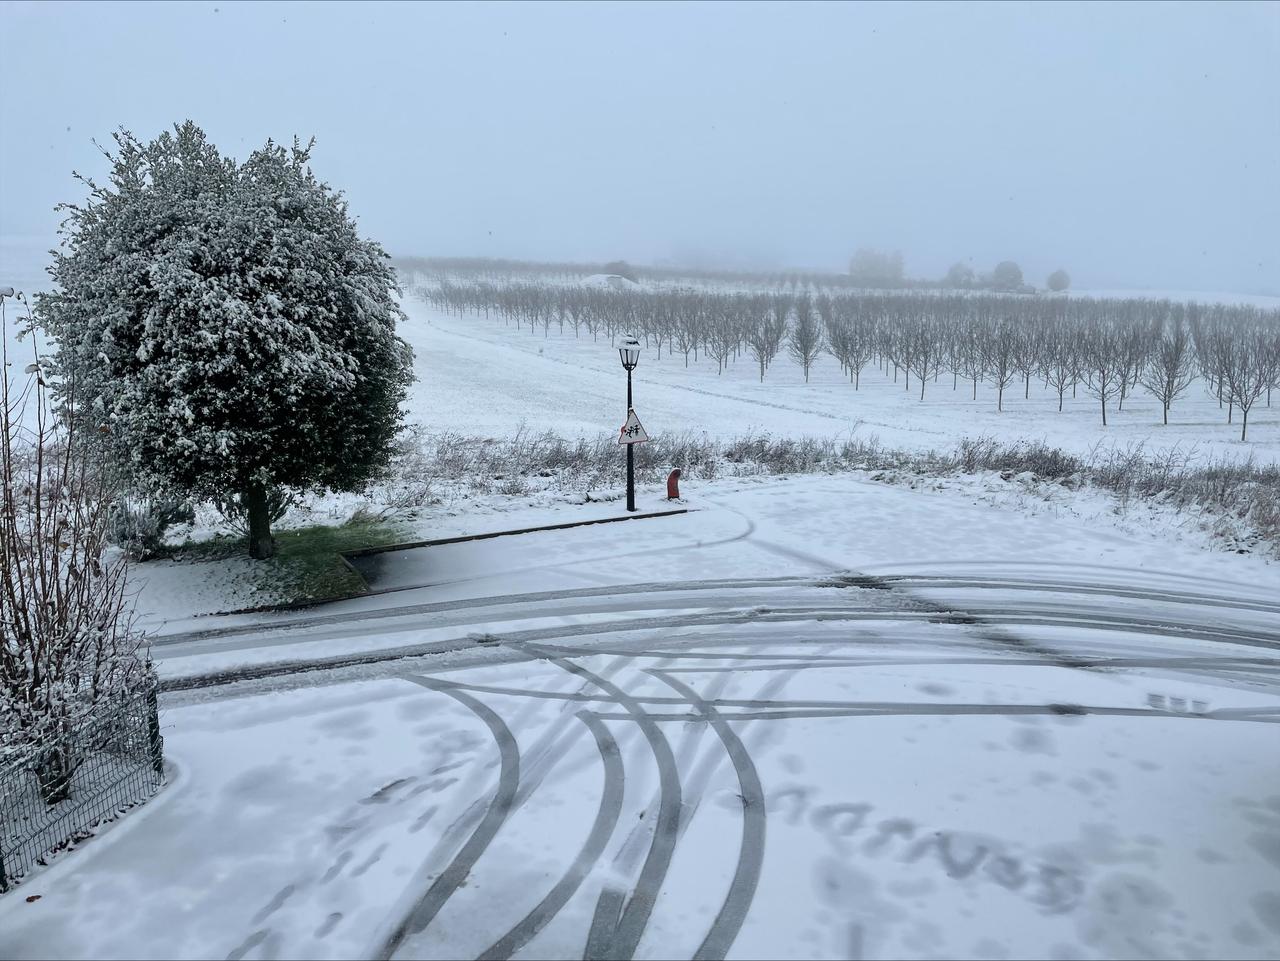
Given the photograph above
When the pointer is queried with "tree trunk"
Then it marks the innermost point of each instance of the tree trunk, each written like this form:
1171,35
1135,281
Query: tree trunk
261,544
54,770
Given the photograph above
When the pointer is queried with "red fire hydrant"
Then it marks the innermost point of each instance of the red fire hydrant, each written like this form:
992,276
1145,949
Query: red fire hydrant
673,485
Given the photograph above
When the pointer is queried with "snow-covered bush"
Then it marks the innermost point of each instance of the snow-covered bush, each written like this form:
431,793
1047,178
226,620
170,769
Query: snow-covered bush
228,328
67,639
138,527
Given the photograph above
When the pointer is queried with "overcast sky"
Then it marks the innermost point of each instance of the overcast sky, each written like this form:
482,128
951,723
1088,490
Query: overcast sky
1134,145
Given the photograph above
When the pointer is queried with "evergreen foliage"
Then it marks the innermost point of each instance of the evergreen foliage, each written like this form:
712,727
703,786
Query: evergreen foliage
232,332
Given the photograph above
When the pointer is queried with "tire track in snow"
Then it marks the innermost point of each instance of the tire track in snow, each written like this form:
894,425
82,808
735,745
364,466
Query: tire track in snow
428,906
983,618
602,829
746,876
615,933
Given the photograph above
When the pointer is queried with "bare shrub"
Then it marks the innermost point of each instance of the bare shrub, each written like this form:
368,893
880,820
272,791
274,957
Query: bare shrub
68,645
987,454
530,461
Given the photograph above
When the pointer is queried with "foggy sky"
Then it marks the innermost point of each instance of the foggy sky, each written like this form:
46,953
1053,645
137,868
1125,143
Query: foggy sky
1134,145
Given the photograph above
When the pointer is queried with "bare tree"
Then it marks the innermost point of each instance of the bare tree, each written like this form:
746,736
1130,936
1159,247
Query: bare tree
1272,361
1170,367
1062,360
1247,371
765,336
999,346
688,330
969,354
805,342
722,335
926,353
1027,353
1134,338
1102,348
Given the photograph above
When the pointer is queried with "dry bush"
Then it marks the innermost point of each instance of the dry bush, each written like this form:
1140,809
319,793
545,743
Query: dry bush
530,461
68,644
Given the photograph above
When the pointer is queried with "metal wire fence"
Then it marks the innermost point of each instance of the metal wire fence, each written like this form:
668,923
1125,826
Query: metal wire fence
56,795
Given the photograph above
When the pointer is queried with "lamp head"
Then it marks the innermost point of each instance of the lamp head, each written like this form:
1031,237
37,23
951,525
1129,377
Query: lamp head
629,351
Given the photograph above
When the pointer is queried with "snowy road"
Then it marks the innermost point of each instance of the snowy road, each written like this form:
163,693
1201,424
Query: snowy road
748,740
845,766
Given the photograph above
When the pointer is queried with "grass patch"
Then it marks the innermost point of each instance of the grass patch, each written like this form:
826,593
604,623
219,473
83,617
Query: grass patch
194,552
308,565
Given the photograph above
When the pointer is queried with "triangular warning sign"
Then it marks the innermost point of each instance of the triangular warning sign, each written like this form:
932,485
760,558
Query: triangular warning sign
632,432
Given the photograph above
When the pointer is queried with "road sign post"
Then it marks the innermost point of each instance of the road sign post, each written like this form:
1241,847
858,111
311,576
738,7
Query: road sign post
632,433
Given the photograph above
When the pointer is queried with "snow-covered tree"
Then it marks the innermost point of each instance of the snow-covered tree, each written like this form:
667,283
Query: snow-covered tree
229,328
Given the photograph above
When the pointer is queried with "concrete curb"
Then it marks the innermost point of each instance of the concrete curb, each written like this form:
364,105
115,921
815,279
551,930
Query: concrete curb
411,545
346,557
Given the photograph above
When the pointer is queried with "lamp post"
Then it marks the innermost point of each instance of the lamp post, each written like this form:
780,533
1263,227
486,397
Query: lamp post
629,351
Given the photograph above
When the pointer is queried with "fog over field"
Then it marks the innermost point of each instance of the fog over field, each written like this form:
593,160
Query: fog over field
1136,146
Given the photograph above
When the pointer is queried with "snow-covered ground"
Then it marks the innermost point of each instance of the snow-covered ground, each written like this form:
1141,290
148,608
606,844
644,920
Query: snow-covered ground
820,717
576,386
817,717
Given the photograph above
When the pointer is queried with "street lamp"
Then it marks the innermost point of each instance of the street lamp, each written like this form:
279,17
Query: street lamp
629,352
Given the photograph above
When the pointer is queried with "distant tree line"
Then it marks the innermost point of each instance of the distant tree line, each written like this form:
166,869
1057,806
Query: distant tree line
1106,348
871,268
868,269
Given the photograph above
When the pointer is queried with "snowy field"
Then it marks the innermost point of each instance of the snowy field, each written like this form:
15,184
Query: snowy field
813,718
467,367
575,386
